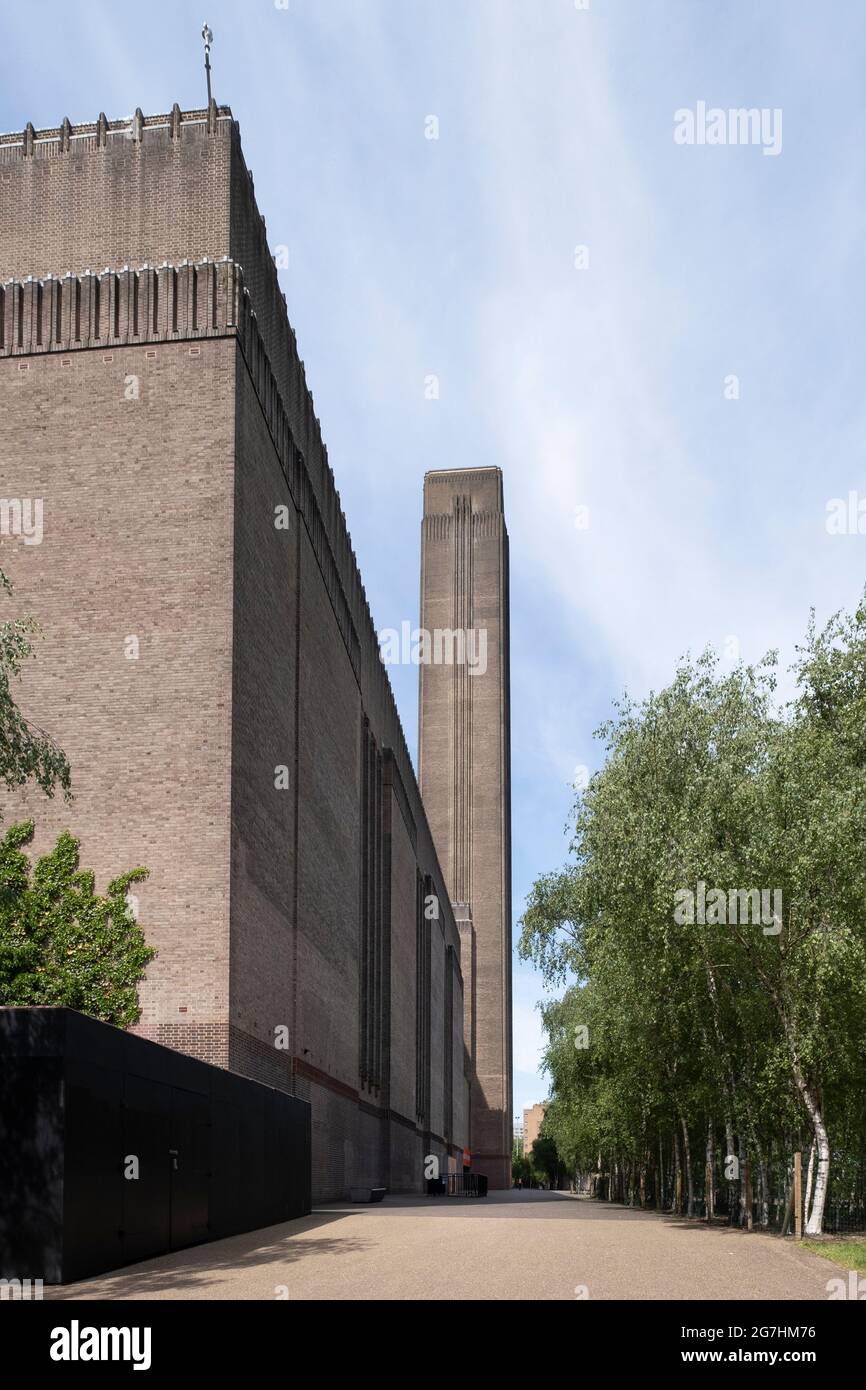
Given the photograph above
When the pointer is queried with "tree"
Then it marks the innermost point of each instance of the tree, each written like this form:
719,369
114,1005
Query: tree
545,1161
520,1169
61,943
25,751
749,1029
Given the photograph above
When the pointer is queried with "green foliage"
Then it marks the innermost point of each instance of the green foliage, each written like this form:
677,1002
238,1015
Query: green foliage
520,1169
25,752
542,1165
545,1161
60,942
850,1254
727,1023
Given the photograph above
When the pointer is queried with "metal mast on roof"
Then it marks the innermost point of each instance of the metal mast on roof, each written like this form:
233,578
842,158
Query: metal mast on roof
207,37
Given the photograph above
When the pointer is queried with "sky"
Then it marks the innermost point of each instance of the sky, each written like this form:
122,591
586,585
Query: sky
662,344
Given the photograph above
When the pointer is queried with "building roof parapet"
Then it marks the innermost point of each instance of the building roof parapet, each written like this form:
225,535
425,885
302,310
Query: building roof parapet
100,131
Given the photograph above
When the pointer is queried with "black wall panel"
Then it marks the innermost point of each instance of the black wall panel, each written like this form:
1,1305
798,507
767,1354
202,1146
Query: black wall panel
190,1169
93,1144
215,1153
146,1223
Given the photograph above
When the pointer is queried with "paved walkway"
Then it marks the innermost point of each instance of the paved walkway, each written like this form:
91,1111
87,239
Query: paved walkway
514,1245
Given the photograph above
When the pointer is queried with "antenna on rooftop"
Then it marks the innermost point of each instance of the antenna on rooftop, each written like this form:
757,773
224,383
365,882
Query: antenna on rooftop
207,39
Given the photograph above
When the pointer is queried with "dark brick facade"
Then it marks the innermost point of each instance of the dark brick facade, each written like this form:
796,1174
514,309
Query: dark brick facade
158,406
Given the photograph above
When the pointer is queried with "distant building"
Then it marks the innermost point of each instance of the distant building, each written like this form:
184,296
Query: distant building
532,1120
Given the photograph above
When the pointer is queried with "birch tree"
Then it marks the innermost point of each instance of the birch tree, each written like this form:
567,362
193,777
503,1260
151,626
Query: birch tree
709,791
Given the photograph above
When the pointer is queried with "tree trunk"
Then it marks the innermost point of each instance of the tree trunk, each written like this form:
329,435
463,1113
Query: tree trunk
765,1191
688,1166
744,1158
710,1179
660,1194
730,1152
809,1176
789,1209
815,1223
729,1136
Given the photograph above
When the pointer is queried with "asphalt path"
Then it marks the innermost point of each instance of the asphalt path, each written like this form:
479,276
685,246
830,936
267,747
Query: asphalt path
511,1245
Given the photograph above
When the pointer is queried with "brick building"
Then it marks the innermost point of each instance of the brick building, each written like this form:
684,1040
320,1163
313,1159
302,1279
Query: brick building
209,663
533,1119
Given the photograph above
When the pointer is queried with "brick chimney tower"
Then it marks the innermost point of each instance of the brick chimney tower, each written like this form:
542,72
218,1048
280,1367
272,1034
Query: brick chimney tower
464,769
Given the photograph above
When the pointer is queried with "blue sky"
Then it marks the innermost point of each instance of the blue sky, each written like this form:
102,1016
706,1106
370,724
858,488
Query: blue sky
601,387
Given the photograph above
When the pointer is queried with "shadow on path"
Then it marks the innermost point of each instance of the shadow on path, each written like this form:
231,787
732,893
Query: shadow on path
200,1267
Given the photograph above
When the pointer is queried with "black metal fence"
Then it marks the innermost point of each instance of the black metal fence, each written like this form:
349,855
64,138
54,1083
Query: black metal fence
768,1195
458,1185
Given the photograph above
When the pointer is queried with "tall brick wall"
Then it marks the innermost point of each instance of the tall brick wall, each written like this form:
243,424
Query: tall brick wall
403,965
137,547
117,196
259,646
264,814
